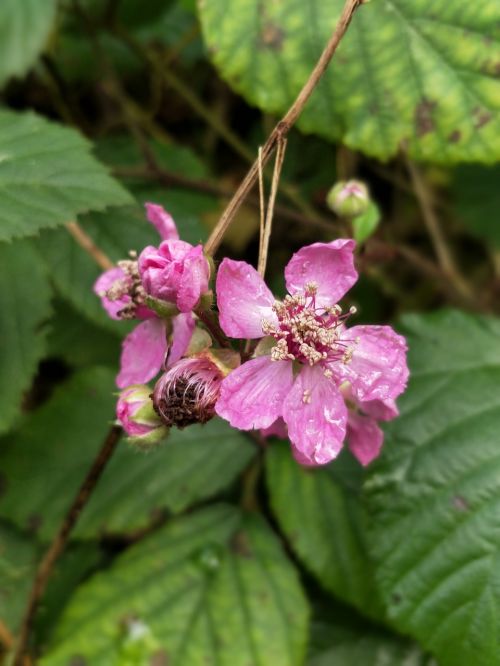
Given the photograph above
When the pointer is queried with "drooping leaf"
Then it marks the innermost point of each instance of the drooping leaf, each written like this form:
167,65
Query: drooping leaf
18,559
414,74
476,200
61,439
434,495
25,307
24,29
48,176
320,513
212,588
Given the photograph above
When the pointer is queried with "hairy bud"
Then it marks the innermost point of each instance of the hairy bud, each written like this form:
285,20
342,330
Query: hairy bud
188,391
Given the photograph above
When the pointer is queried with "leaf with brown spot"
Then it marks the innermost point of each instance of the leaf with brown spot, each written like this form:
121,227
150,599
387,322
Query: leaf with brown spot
406,70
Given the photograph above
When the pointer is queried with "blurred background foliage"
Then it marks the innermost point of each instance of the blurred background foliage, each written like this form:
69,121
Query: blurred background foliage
212,550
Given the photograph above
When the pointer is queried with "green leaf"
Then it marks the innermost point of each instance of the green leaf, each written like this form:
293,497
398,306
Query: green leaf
341,637
61,439
18,559
25,308
476,200
48,176
434,496
371,648
212,588
320,513
365,224
412,74
80,343
24,30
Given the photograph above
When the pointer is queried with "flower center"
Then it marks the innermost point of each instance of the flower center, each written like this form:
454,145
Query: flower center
306,333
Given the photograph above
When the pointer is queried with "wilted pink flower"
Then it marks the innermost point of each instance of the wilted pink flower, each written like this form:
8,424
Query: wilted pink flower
135,412
187,392
310,355
176,272
120,288
146,349
121,292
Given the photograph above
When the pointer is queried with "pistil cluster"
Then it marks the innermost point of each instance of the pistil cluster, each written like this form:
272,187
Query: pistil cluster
306,333
131,286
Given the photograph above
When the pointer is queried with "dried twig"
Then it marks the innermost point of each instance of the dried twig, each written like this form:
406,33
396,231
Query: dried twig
431,221
86,242
283,126
266,226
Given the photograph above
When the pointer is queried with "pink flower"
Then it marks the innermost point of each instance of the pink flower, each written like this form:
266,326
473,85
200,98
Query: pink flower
175,272
135,412
312,355
146,350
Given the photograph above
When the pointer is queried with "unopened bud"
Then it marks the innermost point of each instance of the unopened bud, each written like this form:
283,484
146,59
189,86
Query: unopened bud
348,198
136,413
187,392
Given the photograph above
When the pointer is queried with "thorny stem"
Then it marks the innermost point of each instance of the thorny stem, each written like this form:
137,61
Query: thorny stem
60,540
86,242
212,119
283,126
438,239
6,638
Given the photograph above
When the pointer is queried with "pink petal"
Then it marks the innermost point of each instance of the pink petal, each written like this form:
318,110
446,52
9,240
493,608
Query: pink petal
104,282
194,280
162,221
315,414
143,352
378,369
365,437
243,300
301,458
276,429
252,395
329,265
381,410
183,327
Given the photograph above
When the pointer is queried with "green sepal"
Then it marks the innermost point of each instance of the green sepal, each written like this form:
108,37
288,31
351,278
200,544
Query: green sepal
163,309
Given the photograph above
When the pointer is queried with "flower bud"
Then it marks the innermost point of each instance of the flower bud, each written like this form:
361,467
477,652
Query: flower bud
187,392
175,272
348,198
136,413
